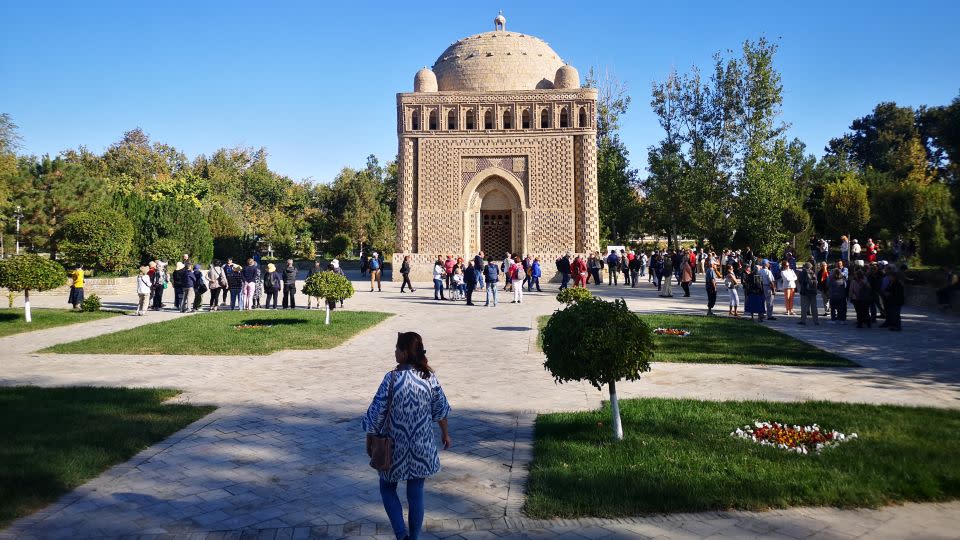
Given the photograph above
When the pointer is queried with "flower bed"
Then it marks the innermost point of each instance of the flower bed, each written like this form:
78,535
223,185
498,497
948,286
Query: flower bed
671,332
252,326
800,439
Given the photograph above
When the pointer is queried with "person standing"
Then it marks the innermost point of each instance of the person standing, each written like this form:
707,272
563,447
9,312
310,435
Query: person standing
201,287
517,275
579,274
439,273
315,269
636,267
667,279
272,284
405,272
407,402
159,280
686,276
613,268
845,249
893,299
75,298
375,271
788,282
217,284
249,278
177,279
823,285
491,274
563,266
710,282
838,297
290,285
753,287
469,281
188,286
143,289
535,272
861,296
732,283
769,288
478,262
625,268
258,288
234,284
808,288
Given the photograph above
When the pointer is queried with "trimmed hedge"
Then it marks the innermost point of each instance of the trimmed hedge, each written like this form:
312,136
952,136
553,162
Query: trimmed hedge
99,239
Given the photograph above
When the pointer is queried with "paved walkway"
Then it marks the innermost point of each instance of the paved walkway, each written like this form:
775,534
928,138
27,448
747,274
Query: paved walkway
282,456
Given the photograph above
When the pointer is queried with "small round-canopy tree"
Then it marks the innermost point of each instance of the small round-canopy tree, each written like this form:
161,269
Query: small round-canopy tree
845,204
30,272
599,342
330,286
165,249
338,245
795,220
100,239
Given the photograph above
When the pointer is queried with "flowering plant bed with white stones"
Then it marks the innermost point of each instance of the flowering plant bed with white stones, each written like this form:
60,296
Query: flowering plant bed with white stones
671,332
800,439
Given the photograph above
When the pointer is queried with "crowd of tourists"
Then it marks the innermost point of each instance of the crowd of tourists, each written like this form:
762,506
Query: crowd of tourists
223,285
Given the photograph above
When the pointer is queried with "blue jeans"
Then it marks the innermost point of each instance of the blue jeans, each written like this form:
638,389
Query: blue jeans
234,295
491,287
438,289
391,503
565,280
479,274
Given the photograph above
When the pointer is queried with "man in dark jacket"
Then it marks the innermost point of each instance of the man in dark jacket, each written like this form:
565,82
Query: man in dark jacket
470,281
177,279
289,284
563,266
893,299
613,268
807,289
187,284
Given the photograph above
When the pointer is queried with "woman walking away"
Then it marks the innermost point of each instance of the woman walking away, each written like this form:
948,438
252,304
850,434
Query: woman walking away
76,287
201,287
861,296
272,283
838,297
788,282
807,285
732,283
177,279
823,285
405,272
235,282
408,400
143,289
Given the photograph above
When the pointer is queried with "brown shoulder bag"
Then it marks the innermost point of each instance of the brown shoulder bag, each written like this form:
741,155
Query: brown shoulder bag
379,444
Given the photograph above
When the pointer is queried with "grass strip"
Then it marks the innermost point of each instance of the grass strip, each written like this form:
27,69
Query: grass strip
12,320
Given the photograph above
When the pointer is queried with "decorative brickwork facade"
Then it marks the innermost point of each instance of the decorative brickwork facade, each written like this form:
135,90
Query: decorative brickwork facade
500,152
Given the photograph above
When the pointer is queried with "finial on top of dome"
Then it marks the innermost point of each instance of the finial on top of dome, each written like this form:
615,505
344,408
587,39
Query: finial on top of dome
500,22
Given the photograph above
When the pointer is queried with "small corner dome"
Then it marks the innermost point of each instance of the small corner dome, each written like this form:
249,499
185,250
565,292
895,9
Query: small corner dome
567,77
425,81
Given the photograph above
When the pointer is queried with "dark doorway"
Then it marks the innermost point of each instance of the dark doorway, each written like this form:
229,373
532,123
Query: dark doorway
495,230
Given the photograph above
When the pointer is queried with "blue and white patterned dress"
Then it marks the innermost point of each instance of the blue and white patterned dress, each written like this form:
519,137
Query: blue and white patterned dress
417,404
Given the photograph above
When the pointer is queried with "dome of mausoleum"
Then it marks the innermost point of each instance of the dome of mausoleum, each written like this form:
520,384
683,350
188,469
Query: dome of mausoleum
497,61
567,77
425,81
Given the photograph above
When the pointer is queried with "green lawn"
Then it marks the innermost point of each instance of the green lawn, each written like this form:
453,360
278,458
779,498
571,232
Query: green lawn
678,456
12,321
726,340
216,333
54,439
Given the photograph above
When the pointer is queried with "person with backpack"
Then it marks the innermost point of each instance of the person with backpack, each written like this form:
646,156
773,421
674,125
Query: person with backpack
375,266
491,274
201,287
517,275
272,284
753,286
807,288
666,276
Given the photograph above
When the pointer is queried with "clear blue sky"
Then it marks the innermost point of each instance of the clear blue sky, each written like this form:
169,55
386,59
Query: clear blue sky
315,82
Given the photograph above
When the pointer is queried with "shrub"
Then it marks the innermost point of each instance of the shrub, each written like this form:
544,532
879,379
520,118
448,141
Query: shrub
98,239
30,272
90,303
571,295
599,342
165,249
181,221
339,244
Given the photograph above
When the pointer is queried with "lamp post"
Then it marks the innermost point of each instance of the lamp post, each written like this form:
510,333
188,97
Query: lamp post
18,215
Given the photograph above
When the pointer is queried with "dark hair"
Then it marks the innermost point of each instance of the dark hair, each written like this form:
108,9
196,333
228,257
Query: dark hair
411,345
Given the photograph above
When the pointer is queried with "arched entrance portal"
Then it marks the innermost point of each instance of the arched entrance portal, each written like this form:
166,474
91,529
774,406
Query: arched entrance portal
495,217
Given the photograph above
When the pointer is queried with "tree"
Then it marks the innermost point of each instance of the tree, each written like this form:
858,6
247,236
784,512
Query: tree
100,239
330,286
181,221
30,272
845,205
164,249
572,295
338,245
599,342
795,220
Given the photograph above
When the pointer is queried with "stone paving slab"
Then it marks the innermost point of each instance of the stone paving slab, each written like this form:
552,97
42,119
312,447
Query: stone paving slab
282,456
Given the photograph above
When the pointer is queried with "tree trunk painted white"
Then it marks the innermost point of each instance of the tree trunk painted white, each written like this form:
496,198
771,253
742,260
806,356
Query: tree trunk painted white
26,306
615,412
327,320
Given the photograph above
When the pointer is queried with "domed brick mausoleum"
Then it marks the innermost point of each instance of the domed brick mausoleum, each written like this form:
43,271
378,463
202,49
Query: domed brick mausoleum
497,152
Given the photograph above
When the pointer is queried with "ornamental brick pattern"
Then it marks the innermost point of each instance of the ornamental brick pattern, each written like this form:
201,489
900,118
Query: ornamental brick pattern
487,137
